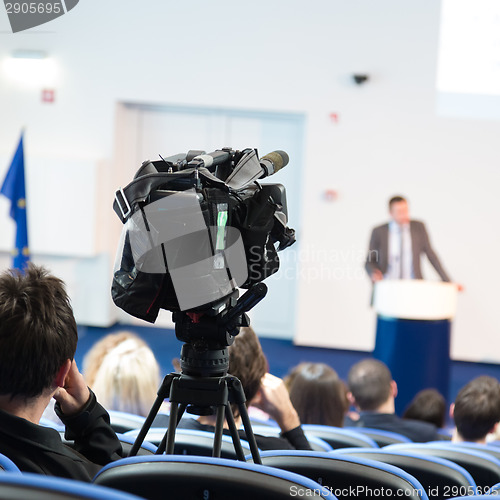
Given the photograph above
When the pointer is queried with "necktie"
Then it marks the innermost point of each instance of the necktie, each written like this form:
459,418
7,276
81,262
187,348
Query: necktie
401,252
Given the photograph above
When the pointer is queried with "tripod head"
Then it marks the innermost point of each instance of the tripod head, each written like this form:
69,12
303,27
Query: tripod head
207,333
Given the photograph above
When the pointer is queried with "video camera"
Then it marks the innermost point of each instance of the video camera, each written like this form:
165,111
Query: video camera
197,227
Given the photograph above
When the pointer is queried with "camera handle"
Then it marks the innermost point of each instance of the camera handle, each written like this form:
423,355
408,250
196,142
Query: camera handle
201,392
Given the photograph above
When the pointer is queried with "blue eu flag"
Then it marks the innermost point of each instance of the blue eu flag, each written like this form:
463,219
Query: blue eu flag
13,187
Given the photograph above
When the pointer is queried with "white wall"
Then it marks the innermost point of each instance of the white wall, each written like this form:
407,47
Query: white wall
291,56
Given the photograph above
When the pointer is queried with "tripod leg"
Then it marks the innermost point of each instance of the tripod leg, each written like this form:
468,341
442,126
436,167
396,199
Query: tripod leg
234,434
163,444
237,395
219,424
249,433
172,424
163,392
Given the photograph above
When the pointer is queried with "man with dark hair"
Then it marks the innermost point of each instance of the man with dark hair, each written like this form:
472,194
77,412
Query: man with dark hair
372,392
476,410
38,339
396,247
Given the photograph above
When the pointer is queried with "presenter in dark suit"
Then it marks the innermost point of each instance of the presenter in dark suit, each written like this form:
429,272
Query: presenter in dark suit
394,253
396,247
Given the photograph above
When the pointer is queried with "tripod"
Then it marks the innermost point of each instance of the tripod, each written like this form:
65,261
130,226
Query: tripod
204,383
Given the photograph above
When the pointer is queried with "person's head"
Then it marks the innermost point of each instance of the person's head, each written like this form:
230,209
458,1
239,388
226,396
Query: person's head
248,363
123,372
38,332
398,209
371,385
476,410
428,405
317,393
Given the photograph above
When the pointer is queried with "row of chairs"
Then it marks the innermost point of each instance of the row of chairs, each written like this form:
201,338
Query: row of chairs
123,422
345,474
391,470
159,477
17,486
440,468
172,476
443,467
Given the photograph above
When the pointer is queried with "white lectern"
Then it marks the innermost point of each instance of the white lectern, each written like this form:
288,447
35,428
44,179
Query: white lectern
413,334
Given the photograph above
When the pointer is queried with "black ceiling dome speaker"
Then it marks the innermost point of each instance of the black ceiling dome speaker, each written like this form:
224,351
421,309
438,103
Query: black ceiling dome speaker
359,78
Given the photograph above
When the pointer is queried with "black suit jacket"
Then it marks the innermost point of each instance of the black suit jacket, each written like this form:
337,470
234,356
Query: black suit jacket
38,449
378,252
417,431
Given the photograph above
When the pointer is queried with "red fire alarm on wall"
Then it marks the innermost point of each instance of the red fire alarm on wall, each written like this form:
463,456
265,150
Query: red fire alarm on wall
331,195
334,117
48,95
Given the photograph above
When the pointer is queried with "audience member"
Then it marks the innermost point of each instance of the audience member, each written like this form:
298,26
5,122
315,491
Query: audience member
248,363
123,372
38,339
476,410
372,392
318,394
428,405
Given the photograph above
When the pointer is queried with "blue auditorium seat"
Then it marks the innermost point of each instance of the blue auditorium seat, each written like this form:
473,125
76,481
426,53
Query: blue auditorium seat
381,437
484,468
7,465
27,486
122,421
186,477
193,442
340,437
441,478
347,477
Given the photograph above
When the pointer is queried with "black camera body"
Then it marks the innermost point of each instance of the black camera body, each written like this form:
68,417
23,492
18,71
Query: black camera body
197,227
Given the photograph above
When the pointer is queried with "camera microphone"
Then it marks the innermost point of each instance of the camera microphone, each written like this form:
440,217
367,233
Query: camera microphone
273,162
250,168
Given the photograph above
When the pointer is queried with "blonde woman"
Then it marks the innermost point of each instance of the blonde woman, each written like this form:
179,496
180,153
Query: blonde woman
123,372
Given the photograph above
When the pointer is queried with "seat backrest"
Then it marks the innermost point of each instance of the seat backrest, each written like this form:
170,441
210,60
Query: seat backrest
262,421
128,441
122,421
340,437
382,438
193,442
173,476
317,443
484,468
7,465
441,478
29,486
347,477
494,451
